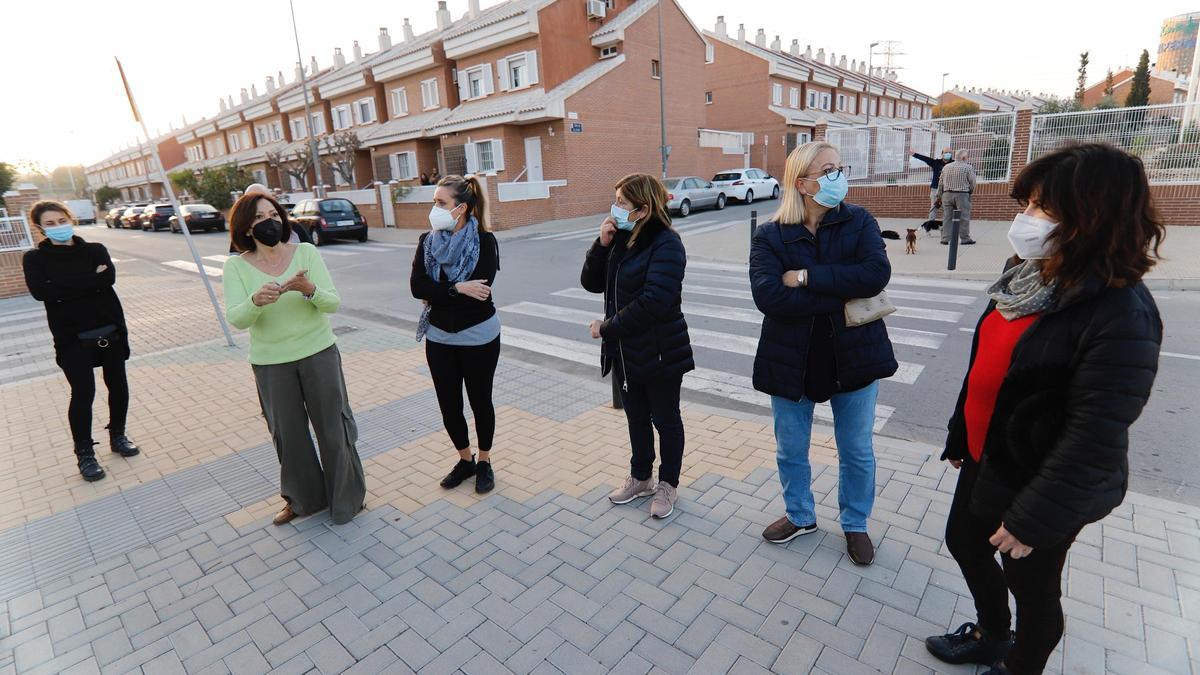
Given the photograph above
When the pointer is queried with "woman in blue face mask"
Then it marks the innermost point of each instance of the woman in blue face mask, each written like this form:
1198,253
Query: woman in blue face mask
638,263
814,256
75,279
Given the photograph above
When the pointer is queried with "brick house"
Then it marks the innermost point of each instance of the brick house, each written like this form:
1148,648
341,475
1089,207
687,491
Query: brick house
130,170
1165,87
994,100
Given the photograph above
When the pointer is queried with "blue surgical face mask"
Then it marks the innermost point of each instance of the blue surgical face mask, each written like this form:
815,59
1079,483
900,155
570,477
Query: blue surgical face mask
832,190
59,233
947,156
622,217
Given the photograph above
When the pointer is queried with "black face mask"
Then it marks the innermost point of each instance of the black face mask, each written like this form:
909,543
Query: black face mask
268,232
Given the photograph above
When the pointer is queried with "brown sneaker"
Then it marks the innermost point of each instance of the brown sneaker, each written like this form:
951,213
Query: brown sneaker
782,531
860,548
285,515
663,503
631,490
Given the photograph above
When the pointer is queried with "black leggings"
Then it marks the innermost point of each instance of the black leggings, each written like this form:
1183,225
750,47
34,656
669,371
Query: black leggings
82,378
1035,581
451,366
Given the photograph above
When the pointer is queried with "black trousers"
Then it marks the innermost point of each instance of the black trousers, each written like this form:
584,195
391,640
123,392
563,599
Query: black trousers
651,405
1035,581
452,366
82,378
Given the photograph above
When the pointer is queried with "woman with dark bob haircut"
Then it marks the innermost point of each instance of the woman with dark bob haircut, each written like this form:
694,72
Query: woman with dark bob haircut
1062,364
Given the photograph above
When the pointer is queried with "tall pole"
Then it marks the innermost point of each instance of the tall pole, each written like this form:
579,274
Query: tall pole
187,234
662,97
318,190
943,89
870,72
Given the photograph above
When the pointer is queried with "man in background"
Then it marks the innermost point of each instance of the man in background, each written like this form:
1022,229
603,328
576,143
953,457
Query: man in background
955,187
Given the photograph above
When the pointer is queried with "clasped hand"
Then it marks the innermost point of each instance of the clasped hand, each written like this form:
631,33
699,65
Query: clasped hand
270,291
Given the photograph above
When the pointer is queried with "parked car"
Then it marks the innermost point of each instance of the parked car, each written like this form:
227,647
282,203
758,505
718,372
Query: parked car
330,218
84,210
691,192
131,218
157,217
198,217
113,219
747,184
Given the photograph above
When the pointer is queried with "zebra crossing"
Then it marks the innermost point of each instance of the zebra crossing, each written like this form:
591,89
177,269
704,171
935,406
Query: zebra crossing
724,324
690,228
349,250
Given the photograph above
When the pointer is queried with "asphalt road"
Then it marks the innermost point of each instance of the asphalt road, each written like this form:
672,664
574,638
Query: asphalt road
545,313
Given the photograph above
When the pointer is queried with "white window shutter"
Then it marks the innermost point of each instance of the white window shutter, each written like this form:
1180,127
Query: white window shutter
489,80
531,66
464,89
498,154
371,105
502,68
394,161
472,158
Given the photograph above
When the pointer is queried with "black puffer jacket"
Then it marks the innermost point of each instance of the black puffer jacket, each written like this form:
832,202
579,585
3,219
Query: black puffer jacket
1055,455
643,287
845,259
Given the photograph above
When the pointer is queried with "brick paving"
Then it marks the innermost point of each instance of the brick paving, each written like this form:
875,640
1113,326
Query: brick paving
171,563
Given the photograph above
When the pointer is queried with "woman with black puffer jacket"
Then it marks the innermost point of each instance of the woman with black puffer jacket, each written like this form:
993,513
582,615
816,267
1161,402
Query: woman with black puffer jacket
638,264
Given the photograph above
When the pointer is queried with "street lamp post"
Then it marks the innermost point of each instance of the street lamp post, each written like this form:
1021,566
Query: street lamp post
943,89
870,72
318,191
662,109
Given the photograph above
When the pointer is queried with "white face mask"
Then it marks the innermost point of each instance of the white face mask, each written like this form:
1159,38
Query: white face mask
1028,236
441,219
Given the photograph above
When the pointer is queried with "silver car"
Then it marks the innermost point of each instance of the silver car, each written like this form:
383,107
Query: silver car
690,192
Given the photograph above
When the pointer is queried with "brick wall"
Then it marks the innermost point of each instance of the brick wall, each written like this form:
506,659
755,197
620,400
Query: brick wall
12,276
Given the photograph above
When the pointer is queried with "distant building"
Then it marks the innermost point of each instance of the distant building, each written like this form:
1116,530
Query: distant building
1165,87
994,100
1177,43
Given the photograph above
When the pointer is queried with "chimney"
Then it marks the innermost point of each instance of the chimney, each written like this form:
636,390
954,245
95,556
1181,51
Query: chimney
760,38
408,34
385,40
312,67
892,76
279,79
443,15
842,62
223,106
854,65
808,51
775,44
253,91
339,61
299,71
270,84
243,95
862,67
357,52
794,50
741,32
473,8
821,55
721,29
230,102
832,59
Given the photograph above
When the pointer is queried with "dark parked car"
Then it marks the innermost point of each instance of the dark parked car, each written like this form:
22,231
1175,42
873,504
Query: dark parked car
131,217
157,217
332,218
113,219
199,217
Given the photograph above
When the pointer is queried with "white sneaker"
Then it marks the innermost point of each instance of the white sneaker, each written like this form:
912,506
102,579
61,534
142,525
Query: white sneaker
631,490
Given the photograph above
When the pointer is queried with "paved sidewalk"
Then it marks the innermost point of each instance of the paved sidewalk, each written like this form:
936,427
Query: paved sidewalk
171,563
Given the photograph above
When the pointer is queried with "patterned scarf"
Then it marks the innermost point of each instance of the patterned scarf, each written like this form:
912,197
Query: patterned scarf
1020,291
452,253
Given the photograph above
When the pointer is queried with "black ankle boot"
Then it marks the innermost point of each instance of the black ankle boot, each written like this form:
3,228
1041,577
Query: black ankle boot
122,445
462,471
485,480
89,468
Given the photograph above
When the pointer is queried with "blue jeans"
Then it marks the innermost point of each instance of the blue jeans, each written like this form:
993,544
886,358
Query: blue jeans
853,428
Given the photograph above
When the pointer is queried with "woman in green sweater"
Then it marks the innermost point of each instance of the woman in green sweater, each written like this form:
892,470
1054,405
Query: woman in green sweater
283,293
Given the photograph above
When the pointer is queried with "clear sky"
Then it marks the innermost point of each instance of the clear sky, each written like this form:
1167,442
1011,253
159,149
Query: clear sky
64,102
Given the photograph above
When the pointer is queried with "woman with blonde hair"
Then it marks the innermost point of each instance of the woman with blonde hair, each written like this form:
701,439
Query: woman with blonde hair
814,256
638,264
452,272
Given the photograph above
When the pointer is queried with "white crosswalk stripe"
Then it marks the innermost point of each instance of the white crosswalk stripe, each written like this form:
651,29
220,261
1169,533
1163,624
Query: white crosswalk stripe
217,258
189,266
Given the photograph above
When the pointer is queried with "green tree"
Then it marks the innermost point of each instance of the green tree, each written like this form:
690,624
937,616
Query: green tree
1106,103
1108,83
217,184
1139,89
956,109
8,173
184,180
106,195
1081,78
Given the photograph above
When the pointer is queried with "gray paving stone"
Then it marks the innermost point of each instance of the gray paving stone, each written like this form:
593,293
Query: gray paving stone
737,615
745,644
780,624
687,608
495,640
248,659
412,649
114,646
456,630
34,652
329,656
484,663
64,625
883,647
616,643
665,628
699,634
296,645
666,659
534,652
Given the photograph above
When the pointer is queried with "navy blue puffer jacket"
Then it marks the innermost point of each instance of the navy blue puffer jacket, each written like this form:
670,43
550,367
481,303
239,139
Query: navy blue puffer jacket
846,259
643,287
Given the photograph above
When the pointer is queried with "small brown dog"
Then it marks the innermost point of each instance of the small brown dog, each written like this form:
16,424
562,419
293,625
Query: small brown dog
910,242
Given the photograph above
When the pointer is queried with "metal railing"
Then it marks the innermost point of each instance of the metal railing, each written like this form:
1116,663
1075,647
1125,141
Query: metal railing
15,234
1166,137
882,154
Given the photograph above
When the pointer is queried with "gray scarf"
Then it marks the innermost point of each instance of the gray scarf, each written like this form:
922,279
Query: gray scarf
1020,291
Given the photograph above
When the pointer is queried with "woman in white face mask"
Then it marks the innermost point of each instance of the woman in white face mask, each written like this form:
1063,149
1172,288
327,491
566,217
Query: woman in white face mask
1063,361
453,270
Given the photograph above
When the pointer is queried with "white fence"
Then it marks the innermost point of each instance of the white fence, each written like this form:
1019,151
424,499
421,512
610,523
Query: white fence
1166,137
360,197
881,154
521,191
15,234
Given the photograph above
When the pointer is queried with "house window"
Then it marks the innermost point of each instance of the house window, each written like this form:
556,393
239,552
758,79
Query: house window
852,105
276,130
399,102
235,143
245,138
811,100
429,94
826,100
518,72
404,166
364,109
341,117
608,52
298,130
708,98
709,55
655,69
485,156
903,110
777,94
260,176
260,135
841,102
794,97
475,83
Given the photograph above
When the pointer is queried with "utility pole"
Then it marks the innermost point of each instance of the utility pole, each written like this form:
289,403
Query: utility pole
662,97
943,89
318,184
870,73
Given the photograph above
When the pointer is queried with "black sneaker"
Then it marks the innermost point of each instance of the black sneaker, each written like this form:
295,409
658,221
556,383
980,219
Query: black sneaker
782,531
462,471
967,242
964,646
123,446
485,480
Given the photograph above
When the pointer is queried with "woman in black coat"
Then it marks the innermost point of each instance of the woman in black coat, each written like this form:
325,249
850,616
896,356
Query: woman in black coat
75,278
638,263
1063,361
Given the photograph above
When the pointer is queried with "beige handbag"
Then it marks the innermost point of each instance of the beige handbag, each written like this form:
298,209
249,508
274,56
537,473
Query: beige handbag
861,311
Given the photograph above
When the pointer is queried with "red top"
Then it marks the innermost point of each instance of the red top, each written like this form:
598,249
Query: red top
997,339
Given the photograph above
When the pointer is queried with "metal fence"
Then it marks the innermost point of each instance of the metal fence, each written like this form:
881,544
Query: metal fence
14,234
1166,137
882,154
